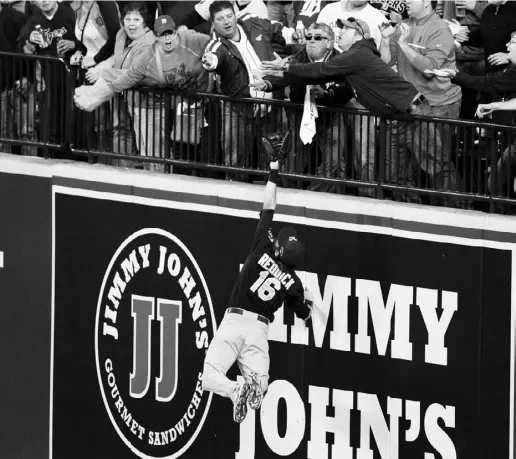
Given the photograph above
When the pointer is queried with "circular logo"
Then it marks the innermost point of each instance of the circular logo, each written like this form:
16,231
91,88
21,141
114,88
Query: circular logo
154,323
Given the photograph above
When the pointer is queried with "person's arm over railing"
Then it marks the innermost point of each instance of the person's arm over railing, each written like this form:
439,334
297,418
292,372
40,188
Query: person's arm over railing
320,72
214,55
135,74
89,98
486,109
498,83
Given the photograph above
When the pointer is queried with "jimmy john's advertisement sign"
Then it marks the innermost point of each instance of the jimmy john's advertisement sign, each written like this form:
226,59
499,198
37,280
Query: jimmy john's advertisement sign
407,355
153,293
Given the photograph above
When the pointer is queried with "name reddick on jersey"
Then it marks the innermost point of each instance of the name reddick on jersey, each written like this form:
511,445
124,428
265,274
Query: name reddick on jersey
267,263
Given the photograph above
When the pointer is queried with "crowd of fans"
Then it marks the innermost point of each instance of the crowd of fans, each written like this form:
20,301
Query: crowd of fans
446,59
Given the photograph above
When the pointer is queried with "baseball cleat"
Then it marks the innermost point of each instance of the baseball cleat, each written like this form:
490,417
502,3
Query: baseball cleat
256,394
240,403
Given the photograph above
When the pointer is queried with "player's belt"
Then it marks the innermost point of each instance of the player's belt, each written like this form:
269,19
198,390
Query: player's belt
243,311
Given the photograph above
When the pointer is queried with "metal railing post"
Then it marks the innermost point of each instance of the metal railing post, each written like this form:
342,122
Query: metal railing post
167,154
493,149
382,152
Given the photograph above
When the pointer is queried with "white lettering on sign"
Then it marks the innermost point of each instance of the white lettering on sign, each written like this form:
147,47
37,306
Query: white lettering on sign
385,319
312,425
1,259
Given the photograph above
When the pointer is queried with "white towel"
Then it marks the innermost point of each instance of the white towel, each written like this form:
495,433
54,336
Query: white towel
307,130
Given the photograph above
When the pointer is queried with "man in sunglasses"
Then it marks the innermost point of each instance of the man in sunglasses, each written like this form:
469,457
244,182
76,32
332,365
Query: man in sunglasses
378,88
329,138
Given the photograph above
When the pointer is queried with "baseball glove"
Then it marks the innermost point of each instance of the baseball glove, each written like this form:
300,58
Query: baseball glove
277,146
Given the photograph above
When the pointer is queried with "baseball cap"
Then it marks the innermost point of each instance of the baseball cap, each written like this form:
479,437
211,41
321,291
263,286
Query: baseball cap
293,249
164,24
357,24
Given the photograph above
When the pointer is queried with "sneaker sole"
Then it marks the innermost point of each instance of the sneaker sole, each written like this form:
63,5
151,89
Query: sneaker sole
254,405
240,408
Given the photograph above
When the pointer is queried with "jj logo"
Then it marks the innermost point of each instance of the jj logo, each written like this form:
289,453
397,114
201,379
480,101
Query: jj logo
168,313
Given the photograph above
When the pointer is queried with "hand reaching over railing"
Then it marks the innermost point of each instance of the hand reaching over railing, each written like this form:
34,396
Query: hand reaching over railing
88,98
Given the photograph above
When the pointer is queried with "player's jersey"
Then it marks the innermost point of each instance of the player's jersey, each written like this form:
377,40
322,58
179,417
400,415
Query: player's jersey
264,282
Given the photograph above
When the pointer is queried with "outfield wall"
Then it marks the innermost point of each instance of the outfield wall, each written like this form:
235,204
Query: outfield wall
112,284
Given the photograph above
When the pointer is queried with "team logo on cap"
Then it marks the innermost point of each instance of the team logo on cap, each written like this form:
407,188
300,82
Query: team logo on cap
154,323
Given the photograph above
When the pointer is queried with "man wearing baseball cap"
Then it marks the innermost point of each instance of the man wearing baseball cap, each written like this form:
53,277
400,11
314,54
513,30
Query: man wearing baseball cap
164,24
267,280
378,88
356,24
290,251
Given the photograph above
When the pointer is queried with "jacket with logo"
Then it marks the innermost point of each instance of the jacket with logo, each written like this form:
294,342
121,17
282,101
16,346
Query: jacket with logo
231,66
60,26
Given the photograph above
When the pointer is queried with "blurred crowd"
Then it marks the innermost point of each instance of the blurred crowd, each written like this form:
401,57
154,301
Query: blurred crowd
445,59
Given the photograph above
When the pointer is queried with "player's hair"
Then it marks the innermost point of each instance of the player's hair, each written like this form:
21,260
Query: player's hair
138,7
325,27
217,6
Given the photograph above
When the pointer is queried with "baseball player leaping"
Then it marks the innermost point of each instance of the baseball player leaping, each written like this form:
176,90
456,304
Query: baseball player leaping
266,280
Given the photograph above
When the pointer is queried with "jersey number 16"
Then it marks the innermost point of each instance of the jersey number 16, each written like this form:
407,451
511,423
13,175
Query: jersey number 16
266,286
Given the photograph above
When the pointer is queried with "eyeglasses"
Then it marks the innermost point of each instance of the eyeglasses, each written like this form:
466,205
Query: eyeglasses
315,37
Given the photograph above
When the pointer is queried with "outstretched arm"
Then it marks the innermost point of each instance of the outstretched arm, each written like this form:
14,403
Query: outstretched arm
269,200
486,109
276,146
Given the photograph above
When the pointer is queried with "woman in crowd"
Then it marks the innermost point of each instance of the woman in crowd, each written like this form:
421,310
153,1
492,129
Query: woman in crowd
132,40
174,61
96,26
